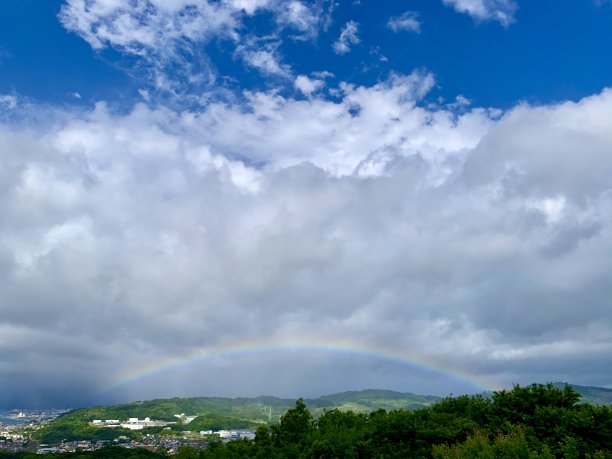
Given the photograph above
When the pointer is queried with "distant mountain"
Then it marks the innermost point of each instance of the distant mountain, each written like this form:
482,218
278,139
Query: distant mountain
591,394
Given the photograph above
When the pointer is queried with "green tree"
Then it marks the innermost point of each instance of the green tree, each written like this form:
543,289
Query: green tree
513,445
295,425
263,443
338,434
519,405
187,452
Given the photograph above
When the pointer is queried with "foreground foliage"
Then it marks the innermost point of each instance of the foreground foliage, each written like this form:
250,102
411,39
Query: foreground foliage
534,422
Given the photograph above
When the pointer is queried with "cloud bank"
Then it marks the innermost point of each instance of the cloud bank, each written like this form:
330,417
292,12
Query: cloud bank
472,237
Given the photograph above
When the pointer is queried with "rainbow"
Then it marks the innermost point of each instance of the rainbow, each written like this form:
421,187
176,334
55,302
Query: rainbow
319,345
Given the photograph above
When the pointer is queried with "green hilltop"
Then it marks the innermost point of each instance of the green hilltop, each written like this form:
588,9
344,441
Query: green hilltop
366,401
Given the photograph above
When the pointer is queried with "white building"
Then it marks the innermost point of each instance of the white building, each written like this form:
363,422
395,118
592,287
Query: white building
184,418
131,424
227,435
137,424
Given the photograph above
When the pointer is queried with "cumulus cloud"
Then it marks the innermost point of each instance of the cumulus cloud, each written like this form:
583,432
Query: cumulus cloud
501,11
348,37
408,21
302,18
307,86
463,236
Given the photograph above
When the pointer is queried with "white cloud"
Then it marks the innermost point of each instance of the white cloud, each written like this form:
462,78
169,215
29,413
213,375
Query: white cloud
368,218
501,11
138,27
246,179
250,6
307,86
263,55
323,74
300,17
8,101
348,37
407,21
266,62
338,137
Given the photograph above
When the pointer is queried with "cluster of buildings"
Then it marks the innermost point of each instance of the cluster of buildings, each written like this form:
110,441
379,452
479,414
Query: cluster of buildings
139,424
12,438
12,424
10,441
131,423
33,416
150,442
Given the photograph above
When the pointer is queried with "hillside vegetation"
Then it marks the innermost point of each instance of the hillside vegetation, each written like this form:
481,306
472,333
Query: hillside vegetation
534,422
216,413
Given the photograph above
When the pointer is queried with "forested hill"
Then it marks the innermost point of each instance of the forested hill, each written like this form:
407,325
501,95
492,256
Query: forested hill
366,401
370,400
591,394
214,413
256,409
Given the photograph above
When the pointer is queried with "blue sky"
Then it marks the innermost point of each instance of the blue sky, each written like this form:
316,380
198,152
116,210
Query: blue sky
549,51
429,180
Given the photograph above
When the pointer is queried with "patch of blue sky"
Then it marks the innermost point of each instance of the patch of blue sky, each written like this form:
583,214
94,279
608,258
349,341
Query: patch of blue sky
554,50
44,62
